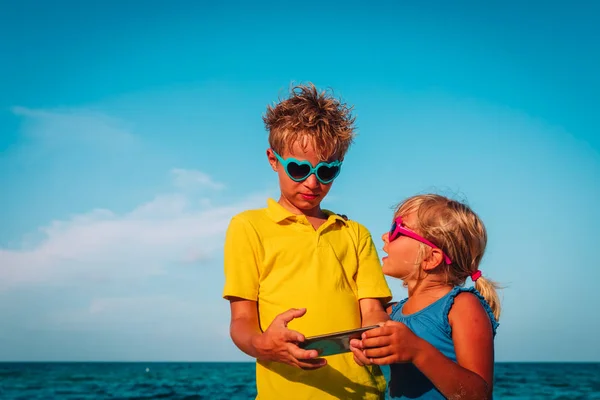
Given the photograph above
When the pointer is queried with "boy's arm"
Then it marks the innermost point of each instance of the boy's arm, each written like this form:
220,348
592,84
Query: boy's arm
277,343
373,291
244,327
243,252
372,312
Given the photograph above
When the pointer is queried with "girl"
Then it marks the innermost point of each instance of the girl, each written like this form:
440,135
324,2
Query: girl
440,340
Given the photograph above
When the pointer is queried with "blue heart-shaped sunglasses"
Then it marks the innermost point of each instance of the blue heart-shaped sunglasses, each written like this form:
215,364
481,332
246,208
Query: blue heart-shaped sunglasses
300,170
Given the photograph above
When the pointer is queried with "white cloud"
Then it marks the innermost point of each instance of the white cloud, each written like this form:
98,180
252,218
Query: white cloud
186,179
74,125
103,246
145,275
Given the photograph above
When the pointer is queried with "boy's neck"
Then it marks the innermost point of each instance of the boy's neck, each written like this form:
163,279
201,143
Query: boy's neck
314,213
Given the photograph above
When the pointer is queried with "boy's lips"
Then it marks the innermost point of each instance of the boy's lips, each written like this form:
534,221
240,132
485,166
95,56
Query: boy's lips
309,196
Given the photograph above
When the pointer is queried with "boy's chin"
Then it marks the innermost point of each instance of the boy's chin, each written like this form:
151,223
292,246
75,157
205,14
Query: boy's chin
307,204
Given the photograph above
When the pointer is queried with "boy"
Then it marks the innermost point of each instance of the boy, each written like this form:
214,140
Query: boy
294,270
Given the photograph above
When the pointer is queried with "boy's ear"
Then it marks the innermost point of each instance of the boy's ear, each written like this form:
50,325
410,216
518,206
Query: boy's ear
272,159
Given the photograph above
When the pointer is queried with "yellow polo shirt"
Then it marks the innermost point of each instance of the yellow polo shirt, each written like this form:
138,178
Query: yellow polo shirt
279,260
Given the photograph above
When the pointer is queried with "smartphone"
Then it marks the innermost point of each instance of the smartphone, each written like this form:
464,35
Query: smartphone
333,343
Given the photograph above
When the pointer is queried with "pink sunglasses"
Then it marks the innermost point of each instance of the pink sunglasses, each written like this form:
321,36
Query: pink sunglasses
398,230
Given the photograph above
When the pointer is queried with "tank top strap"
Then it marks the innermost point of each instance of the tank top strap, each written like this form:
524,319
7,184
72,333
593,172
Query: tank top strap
396,312
448,302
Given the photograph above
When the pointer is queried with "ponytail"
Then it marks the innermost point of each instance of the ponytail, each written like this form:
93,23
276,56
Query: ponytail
489,290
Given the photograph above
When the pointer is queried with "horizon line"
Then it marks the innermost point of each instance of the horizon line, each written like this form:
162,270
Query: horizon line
238,362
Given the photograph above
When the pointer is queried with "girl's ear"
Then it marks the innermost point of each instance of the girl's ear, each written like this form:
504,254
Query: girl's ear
432,261
272,159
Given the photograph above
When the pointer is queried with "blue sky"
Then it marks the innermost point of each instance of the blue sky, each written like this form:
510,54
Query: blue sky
131,132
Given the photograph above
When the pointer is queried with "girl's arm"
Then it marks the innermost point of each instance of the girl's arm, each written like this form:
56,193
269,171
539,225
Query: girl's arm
473,339
471,377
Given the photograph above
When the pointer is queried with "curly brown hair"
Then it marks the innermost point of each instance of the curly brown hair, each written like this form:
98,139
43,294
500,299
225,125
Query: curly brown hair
312,117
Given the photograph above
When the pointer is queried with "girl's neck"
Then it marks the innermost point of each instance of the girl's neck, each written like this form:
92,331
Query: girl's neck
428,288
422,294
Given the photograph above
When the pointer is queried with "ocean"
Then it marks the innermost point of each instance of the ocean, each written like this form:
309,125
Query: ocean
153,380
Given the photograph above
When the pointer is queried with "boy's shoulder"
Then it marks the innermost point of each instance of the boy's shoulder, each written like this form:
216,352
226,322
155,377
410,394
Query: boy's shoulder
261,216
251,215
354,225
343,216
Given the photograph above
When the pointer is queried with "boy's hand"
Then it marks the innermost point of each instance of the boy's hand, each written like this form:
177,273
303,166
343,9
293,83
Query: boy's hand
278,343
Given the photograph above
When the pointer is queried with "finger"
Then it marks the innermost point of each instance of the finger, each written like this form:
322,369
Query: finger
393,324
293,336
301,354
384,360
356,343
357,360
359,357
313,363
290,314
373,332
375,342
378,352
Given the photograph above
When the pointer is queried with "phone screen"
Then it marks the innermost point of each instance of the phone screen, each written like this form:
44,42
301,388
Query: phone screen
333,343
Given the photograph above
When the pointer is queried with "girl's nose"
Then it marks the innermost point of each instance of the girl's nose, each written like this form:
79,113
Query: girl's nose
385,237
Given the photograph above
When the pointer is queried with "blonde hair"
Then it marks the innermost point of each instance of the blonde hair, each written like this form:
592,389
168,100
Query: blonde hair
457,231
311,117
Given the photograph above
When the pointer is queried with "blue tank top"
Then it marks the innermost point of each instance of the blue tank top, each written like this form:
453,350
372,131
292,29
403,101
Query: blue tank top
430,324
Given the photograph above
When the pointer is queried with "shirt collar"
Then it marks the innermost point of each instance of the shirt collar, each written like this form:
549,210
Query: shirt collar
278,214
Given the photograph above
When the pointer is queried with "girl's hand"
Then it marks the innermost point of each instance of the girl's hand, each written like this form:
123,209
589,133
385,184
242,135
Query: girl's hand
278,343
359,357
470,377
393,343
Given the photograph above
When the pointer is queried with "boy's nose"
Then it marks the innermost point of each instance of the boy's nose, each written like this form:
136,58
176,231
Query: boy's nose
311,182
385,237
